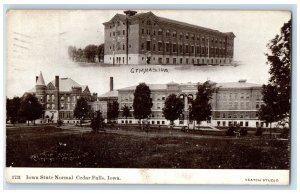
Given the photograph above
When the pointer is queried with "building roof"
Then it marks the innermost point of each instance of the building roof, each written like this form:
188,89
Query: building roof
66,84
40,81
242,84
110,94
237,85
151,86
166,20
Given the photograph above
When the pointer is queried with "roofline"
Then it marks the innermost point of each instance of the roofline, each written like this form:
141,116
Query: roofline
174,22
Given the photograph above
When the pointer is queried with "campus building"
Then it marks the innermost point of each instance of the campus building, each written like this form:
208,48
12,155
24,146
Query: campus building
232,103
102,102
59,98
144,38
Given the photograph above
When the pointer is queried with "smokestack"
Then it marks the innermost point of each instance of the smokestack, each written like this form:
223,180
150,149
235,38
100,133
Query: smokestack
111,83
57,82
36,78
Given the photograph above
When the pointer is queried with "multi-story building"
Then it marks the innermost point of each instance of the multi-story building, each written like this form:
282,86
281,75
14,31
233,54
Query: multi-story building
59,98
145,38
232,103
102,102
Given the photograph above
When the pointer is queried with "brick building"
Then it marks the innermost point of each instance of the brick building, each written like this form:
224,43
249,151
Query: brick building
59,98
145,38
101,104
232,103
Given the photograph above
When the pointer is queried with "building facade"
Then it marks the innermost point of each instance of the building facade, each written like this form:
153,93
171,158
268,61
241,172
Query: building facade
103,101
145,38
59,98
233,103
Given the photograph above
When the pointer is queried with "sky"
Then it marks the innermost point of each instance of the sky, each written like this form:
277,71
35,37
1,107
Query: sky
38,40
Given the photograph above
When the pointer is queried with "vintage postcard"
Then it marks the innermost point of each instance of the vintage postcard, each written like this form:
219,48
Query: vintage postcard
148,97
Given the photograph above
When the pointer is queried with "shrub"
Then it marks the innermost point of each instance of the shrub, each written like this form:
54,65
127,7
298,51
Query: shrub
60,123
230,131
258,131
285,133
243,132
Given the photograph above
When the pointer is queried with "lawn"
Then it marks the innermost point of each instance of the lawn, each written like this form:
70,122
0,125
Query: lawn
53,147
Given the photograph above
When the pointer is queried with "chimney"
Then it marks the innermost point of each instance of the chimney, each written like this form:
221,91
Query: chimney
36,78
111,84
57,82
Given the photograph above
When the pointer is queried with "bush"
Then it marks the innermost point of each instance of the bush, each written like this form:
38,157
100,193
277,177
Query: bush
243,132
230,131
258,131
59,123
285,133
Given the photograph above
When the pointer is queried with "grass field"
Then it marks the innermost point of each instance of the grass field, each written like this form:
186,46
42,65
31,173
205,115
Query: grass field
49,146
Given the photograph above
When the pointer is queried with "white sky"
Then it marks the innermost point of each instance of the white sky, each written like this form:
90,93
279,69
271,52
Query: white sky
38,41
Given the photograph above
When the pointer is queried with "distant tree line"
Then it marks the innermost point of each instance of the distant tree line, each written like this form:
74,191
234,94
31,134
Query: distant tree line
91,53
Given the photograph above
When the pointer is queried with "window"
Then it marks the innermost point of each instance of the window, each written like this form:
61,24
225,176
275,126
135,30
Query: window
143,31
174,34
160,32
224,123
167,47
167,60
159,46
186,48
167,33
180,48
142,46
163,122
123,46
158,122
187,36
148,45
174,48
246,123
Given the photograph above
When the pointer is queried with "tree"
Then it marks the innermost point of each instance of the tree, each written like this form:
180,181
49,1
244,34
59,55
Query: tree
90,52
201,107
173,108
112,110
72,52
142,102
126,112
81,110
276,94
100,52
79,56
30,108
13,109
97,121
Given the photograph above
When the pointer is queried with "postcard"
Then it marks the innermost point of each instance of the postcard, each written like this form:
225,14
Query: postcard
148,97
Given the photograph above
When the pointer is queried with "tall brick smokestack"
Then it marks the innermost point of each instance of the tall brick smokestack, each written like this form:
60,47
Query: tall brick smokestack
57,82
57,99
111,84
